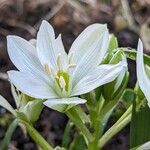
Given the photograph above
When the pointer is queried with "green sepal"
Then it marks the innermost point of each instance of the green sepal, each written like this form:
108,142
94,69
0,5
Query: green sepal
24,99
113,44
32,110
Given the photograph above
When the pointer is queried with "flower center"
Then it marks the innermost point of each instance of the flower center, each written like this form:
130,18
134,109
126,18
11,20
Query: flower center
62,79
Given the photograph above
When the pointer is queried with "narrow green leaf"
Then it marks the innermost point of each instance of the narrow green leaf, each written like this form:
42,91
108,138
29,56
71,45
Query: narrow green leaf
66,136
140,125
9,134
132,55
78,143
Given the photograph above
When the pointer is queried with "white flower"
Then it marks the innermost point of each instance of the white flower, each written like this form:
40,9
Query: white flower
143,79
47,72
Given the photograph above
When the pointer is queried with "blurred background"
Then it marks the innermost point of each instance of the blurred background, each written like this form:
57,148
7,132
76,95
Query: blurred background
127,19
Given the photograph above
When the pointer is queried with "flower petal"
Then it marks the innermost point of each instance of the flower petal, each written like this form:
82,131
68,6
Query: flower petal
24,56
29,84
100,76
91,59
45,45
60,50
85,40
47,51
4,103
63,104
144,81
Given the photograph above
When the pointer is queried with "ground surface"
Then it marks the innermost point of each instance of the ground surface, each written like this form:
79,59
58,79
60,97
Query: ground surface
69,17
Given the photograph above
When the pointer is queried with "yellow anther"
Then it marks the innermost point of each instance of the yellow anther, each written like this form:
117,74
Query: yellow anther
47,69
62,82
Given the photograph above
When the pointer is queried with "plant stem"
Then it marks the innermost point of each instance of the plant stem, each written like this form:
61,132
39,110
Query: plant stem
97,125
36,136
128,112
118,126
72,114
66,137
8,135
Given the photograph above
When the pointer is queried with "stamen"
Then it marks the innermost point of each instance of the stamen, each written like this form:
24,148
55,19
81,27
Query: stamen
47,69
72,65
59,61
70,59
62,82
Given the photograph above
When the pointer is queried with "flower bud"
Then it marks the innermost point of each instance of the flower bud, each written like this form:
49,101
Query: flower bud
30,108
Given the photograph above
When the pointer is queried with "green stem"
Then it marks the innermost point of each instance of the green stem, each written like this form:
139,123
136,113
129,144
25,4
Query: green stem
66,137
97,124
36,136
83,116
128,112
118,126
72,114
8,135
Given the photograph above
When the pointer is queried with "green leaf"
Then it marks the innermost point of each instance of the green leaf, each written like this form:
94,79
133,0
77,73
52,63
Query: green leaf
128,97
9,134
132,55
66,136
140,125
78,143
